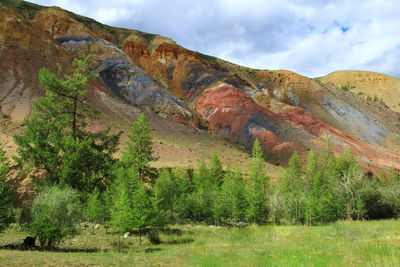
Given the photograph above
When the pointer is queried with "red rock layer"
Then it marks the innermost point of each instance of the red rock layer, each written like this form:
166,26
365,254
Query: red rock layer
229,110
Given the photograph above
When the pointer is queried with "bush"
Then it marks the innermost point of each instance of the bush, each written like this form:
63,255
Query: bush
154,237
345,87
54,214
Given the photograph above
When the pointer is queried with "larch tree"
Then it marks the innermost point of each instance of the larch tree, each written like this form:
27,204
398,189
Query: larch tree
141,210
56,139
257,191
231,202
139,148
290,189
6,193
94,208
121,211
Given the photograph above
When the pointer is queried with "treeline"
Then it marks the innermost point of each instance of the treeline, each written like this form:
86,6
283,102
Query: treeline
81,179
326,190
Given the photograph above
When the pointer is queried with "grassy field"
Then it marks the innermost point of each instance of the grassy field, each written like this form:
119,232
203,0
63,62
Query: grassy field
373,243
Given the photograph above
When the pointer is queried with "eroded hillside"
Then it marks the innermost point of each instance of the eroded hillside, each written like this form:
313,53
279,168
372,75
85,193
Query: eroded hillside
188,94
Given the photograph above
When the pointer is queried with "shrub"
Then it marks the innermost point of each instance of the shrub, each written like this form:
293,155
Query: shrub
54,214
154,237
345,87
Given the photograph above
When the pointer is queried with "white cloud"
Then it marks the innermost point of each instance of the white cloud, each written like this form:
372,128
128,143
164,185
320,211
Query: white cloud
110,15
311,37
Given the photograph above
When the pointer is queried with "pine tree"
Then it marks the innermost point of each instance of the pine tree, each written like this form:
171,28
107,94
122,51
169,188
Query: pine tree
56,139
257,192
6,194
139,149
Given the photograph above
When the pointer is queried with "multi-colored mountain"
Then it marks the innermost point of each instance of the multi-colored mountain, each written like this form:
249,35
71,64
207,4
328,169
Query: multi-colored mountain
189,95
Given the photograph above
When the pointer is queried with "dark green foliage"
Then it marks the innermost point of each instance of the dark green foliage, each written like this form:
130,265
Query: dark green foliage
6,194
345,87
55,213
26,9
154,237
56,139
210,59
148,37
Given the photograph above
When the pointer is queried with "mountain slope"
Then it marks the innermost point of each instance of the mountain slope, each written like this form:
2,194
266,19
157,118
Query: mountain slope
188,92
370,84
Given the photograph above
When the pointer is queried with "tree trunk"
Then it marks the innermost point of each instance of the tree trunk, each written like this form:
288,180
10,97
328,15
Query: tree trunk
74,117
140,236
119,240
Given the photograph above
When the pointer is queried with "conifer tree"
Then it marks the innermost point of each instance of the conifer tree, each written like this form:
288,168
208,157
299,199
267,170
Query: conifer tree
204,195
257,188
121,211
184,201
94,208
139,148
166,192
216,172
141,210
6,193
231,202
312,188
291,189
56,140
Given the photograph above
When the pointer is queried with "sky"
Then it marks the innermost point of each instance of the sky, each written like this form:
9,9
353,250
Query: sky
310,37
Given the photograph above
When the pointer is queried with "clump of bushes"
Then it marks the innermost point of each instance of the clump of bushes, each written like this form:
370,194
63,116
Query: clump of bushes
55,212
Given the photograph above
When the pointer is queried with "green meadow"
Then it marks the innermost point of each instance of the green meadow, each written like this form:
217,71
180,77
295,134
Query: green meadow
345,243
